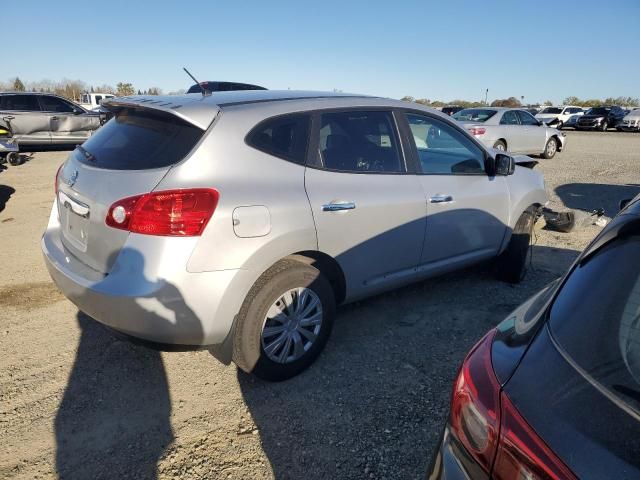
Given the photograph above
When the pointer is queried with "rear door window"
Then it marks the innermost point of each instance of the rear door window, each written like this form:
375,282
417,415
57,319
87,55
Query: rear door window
509,118
285,137
55,104
359,141
596,318
139,139
26,103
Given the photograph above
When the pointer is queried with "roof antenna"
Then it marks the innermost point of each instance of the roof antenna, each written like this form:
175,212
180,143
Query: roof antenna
205,92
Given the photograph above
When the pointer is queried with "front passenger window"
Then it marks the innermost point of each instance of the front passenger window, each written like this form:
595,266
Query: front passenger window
442,149
54,104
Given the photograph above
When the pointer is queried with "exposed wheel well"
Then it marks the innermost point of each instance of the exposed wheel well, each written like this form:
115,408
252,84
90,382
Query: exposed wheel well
329,268
558,143
503,141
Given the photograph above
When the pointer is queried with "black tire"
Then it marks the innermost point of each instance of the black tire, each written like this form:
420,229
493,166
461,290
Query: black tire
550,152
500,145
604,127
511,265
14,158
248,351
560,125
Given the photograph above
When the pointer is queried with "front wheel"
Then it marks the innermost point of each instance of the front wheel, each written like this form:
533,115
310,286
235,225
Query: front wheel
511,265
560,125
550,149
284,322
604,127
14,158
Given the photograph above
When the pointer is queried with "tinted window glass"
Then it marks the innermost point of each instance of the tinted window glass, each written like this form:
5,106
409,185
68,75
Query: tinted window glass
359,142
138,140
474,114
443,149
19,102
509,118
526,118
54,104
553,110
596,318
599,111
284,137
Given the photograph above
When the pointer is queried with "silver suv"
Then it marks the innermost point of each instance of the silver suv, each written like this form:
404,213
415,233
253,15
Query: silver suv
238,221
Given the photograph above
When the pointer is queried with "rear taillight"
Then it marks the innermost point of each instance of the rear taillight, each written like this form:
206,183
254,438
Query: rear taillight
490,428
475,404
477,131
180,213
522,453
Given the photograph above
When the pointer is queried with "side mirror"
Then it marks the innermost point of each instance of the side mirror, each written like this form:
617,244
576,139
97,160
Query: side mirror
624,203
504,164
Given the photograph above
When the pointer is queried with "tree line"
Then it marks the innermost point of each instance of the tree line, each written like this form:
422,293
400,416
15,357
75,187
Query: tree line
73,89
513,102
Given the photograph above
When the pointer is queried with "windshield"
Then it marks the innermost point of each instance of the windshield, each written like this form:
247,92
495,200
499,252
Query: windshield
553,110
599,111
596,318
474,114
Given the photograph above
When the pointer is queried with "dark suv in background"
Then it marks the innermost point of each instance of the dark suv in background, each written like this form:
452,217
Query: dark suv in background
45,119
601,118
215,86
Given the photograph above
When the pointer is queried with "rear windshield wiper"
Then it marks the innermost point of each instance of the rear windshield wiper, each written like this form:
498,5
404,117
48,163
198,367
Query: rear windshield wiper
88,155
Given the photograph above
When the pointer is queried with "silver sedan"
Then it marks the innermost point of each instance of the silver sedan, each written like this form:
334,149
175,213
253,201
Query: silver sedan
511,129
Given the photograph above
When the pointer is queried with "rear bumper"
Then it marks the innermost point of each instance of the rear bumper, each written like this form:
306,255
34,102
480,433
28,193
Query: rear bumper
143,298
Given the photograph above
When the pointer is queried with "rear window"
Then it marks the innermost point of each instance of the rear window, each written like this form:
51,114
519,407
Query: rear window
474,114
553,110
285,137
138,139
596,318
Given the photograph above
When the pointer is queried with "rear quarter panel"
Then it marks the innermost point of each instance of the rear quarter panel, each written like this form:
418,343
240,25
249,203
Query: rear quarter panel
245,177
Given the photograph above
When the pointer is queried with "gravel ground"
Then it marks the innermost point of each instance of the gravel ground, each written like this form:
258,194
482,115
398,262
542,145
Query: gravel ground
75,402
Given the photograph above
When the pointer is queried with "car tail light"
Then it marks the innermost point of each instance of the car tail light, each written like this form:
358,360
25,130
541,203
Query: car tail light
522,453
475,404
490,428
181,213
477,131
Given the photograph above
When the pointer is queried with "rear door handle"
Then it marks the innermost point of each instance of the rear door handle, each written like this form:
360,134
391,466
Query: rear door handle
440,198
338,206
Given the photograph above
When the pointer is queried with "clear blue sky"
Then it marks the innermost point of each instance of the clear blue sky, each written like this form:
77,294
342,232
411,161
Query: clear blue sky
442,49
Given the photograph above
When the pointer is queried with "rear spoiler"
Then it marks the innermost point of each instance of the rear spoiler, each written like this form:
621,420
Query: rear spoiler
192,109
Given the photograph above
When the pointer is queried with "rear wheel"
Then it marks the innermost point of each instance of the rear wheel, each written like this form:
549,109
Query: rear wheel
550,148
500,145
284,322
512,264
13,158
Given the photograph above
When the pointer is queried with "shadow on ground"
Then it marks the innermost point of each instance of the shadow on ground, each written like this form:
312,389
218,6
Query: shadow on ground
591,196
374,403
5,193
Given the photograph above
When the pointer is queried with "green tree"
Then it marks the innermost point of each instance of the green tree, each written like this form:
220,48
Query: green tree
18,86
124,89
512,102
548,103
155,91
407,98
572,101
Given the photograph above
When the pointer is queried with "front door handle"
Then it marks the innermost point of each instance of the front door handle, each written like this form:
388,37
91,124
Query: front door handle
440,198
338,206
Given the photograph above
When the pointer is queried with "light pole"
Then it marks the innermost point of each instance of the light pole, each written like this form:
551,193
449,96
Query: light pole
486,93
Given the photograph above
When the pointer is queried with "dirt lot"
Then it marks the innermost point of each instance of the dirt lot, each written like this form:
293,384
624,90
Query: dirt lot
76,402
